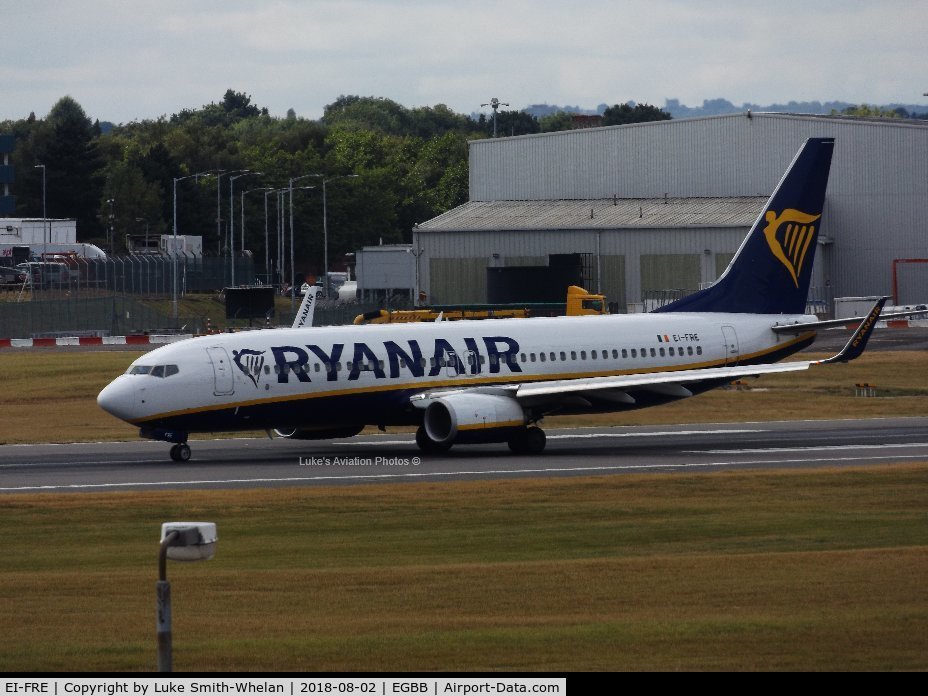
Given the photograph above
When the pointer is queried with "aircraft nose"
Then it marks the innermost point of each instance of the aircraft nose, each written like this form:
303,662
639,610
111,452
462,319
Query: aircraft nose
118,399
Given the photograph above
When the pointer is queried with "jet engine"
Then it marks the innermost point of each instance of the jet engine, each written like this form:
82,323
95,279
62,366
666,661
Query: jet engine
470,417
322,432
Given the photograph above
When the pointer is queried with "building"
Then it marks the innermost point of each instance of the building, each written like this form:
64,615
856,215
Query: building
386,274
658,209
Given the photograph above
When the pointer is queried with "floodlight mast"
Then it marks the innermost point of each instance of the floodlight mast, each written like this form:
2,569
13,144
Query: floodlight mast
494,104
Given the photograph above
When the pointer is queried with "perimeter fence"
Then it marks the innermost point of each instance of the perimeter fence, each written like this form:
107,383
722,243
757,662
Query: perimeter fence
127,295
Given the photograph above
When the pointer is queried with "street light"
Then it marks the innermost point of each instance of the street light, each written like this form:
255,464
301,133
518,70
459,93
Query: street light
267,261
180,541
232,179
174,264
494,104
292,256
325,226
44,213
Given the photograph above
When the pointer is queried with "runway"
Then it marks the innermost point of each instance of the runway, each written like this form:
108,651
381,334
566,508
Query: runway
394,458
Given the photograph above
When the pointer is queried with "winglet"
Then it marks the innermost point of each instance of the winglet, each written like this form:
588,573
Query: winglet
855,347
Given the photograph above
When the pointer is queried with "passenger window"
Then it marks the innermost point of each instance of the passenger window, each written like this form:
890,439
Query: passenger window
634,353
267,369
563,356
573,355
522,357
541,356
661,351
552,356
670,350
698,350
689,350
593,354
317,367
583,355
532,356
625,353
615,354
653,353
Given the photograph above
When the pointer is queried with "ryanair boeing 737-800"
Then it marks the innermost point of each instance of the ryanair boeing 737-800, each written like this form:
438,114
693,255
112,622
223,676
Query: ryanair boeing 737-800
493,380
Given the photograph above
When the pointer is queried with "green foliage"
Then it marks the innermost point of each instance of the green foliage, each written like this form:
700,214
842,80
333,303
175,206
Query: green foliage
865,110
411,165
558,121
621,114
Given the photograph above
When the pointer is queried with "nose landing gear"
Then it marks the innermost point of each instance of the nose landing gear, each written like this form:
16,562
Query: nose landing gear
180,450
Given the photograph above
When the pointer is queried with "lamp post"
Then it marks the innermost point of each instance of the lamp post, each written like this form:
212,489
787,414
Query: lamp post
494,104
180,541
292,256
325,226
266,190
44,213
232,179
174,242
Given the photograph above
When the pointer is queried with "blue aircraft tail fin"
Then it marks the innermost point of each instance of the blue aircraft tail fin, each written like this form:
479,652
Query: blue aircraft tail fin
771,271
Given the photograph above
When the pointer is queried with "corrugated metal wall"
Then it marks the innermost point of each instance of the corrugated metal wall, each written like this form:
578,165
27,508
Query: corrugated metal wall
456,268
877,201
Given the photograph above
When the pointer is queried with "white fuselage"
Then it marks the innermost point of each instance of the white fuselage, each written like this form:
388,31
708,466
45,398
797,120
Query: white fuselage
366,374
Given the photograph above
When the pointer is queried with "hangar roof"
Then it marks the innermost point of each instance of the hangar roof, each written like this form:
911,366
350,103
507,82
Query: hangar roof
603,213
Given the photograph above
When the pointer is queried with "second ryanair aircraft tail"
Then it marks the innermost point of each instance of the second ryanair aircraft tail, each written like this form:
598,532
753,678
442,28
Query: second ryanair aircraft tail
770,274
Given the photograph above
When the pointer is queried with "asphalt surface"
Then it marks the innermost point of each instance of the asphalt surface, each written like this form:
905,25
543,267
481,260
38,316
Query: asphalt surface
378,459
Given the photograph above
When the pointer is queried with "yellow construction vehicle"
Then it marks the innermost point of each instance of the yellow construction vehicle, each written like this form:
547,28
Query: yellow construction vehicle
579,303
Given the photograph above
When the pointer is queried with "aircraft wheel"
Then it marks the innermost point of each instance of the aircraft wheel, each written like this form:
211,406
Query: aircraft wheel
535,440
528,441
427,444
181,452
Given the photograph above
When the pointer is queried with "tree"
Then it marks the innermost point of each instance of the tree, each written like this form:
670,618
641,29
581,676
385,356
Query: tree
867,111
621,114
558,121
73,167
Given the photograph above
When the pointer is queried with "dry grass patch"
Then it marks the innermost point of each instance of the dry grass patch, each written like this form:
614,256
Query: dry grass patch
748,570
60,388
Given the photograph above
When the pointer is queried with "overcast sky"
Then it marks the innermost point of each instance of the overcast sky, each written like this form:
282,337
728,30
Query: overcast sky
129,60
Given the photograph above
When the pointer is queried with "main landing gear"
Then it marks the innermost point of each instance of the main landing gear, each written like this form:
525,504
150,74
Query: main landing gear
180,452
530,440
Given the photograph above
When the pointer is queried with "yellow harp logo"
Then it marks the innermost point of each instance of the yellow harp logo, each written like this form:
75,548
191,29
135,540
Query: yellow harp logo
789,236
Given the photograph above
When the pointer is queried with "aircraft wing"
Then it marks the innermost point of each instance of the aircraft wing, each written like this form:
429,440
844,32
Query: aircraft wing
672,383
799,327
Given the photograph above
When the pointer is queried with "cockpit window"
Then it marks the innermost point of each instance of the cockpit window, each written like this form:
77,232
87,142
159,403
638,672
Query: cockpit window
155,371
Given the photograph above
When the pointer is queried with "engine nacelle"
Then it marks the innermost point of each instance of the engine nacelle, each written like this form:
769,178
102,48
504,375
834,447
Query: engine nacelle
326,432
469,417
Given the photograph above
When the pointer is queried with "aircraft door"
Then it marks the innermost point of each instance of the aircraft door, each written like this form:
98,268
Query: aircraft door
223,382
732,351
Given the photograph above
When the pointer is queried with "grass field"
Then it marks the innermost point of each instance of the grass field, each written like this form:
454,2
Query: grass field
819,570
60,388
796,570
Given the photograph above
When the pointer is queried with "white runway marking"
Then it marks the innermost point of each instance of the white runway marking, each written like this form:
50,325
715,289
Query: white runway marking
816,448
447,474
